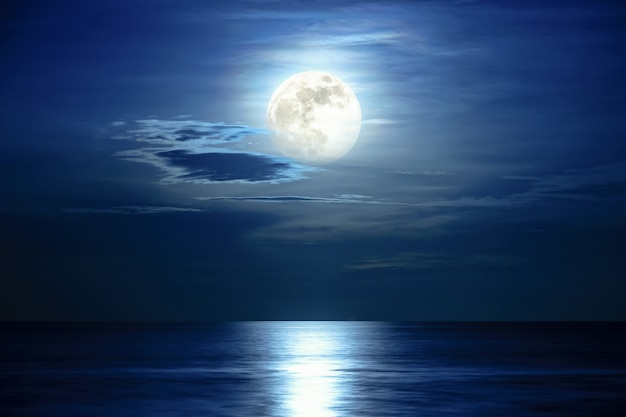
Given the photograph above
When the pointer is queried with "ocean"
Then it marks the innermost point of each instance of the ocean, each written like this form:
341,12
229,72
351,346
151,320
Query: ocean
320,369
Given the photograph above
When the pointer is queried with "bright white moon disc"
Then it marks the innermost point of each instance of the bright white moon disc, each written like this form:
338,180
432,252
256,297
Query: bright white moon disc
314,117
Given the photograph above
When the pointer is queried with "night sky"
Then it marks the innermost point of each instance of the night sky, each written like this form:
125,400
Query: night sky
139,180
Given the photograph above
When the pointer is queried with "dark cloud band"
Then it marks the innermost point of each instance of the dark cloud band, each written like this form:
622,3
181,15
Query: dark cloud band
195,151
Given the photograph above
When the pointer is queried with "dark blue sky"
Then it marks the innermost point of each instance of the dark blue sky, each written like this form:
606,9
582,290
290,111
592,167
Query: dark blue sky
139,181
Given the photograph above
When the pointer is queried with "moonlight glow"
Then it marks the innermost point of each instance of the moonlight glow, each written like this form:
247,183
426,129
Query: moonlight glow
314,117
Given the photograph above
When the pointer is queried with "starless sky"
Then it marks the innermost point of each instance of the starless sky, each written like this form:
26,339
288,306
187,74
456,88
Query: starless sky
139,182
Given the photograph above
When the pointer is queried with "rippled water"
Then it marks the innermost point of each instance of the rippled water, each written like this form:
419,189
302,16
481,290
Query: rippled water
314,369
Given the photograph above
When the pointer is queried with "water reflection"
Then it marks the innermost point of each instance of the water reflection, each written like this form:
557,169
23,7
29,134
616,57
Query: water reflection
292,369
312,369
312,361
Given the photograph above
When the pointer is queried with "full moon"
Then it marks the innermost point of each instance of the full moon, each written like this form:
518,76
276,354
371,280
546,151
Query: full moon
314,117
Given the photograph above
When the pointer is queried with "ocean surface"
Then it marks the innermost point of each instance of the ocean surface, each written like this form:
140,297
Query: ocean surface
313,369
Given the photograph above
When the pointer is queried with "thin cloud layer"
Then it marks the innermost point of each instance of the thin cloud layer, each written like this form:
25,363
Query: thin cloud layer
133,210
169,132
341,199
197,152
424,260
605,183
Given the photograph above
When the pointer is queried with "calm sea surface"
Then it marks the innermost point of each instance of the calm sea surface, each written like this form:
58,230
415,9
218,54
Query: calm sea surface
313,369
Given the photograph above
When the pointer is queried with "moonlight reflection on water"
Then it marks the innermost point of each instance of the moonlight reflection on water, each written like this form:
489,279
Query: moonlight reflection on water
312,360
305,369
313,373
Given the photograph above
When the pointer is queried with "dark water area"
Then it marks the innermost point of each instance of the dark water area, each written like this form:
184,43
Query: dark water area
313,369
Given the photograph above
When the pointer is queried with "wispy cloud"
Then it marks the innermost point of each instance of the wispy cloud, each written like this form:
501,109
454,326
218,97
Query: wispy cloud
341,199
372,38
470,202
487,202
424,172
323,222
194,133
426,260
521,178
606,183
378,122
198,152
133,210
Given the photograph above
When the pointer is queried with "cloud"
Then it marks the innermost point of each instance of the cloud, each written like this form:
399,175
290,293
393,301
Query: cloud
343,198
226,167
606,183
133,210
373,38
426,173
353,196
378,122
486,201
520,178
200,133
327,220
421,260
198,152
